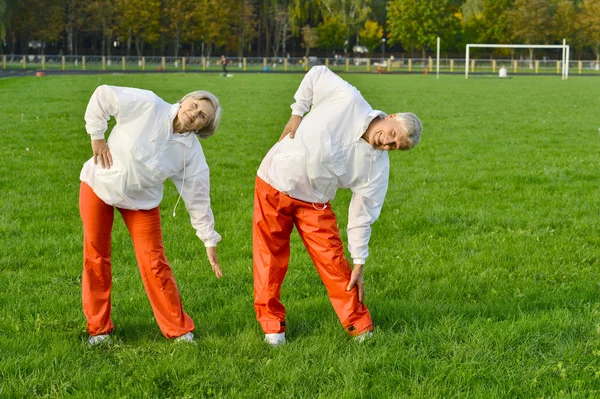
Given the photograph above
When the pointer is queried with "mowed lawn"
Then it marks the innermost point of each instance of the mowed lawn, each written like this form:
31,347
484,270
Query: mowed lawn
482,282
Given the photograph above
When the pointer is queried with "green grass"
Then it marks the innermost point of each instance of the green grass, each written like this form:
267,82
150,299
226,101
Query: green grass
482,280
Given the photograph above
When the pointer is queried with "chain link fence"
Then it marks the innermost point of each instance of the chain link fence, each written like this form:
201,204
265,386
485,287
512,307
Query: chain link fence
291,64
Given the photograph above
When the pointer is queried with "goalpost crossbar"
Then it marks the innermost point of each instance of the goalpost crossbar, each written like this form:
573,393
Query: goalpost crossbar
564,47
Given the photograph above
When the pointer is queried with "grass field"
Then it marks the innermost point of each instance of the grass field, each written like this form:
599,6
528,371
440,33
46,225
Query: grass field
483,278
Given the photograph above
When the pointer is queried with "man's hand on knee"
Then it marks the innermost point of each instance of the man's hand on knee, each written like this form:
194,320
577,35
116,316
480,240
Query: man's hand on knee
357,279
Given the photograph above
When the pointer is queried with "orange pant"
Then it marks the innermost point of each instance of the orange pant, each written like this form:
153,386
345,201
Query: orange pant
275,215
146,233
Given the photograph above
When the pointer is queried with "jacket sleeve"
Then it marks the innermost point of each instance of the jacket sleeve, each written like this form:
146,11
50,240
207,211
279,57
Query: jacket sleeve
193,185
365,207
119,102
318,85
102,105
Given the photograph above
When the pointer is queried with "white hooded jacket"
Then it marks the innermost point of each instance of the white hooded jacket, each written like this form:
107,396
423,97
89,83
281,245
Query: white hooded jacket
328,153
145,153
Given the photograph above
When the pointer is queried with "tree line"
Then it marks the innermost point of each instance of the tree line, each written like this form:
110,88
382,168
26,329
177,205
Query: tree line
274,28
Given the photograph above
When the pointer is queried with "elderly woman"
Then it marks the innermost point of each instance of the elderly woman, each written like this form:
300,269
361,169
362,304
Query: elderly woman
151,141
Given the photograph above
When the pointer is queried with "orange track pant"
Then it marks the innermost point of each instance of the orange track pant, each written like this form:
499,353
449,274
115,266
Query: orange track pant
275,215
146,234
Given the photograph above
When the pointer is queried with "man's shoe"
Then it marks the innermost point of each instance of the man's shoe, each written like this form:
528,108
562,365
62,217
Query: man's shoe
101,339
188,337
363,337
275,339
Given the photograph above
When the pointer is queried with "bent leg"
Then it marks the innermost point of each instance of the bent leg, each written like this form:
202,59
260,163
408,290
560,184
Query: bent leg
271,232
157,276
319,232
96,279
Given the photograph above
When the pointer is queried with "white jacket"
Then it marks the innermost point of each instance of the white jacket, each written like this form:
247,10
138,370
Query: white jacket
328,153
145,153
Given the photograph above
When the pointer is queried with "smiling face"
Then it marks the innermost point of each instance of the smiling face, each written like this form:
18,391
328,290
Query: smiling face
387,134
193,115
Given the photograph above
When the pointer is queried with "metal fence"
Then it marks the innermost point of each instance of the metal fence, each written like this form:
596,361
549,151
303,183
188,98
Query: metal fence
291,64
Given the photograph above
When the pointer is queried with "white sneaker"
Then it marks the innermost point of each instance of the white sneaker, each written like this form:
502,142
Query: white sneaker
99,339
363,337
275,339
187,337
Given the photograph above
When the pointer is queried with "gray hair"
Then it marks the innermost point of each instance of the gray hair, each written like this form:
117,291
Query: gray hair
413,127
213,123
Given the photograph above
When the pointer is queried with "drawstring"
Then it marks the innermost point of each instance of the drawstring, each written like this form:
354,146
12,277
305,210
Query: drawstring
322,209
370,164
182,184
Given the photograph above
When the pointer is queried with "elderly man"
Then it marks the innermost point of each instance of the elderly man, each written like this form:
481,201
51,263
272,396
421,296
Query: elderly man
341,143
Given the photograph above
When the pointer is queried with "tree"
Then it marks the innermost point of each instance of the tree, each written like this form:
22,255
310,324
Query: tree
350,13
6,9
76,15
378,11
178,14
102,18
42,22
245,30
140,21
371,34
486,21
590,24
532,22
495,26
472,9
566,23
197,30
212,23
302,13
332,34
417,24
310,38
281,27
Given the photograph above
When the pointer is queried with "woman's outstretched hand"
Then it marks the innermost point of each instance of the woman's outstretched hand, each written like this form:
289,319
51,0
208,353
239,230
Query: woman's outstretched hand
211,253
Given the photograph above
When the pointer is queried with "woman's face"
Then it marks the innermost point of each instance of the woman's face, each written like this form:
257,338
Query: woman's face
193,115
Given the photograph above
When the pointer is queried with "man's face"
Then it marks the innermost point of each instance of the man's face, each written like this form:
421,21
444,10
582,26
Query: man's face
194,114
389,135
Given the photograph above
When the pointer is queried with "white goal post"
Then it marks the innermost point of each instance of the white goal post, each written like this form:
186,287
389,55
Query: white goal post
564,47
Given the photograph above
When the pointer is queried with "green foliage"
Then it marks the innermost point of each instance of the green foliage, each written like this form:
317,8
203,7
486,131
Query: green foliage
352,13
245,28
417,24
531,21
590,24
487,21
42,20
140,21
332,34
178,15
471,9
212,22
302,13
102,18
371,34
271,27
310,38
565,23
6,9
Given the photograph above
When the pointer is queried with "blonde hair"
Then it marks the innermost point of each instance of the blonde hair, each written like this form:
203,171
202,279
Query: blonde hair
211,127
